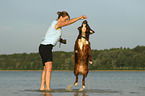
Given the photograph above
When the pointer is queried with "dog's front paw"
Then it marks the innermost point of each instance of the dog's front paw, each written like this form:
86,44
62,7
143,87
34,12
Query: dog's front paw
76,51
90,62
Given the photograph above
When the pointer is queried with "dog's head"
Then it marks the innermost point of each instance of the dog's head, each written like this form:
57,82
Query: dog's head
85,30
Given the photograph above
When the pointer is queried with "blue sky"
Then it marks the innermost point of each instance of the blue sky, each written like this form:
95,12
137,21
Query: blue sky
117,23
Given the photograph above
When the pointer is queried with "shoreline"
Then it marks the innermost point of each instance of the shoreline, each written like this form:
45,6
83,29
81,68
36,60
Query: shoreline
72,70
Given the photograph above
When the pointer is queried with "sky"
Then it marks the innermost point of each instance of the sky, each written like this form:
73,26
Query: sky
117,23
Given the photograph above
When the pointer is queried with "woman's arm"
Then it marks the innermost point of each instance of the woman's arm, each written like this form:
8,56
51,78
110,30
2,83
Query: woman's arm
68,22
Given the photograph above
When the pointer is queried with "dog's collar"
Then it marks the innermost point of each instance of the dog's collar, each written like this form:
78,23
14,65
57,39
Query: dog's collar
84,37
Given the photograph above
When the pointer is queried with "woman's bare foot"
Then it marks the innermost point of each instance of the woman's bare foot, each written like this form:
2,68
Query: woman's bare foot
48,89
42,88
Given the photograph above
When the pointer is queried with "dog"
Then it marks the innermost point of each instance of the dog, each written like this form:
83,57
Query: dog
82,53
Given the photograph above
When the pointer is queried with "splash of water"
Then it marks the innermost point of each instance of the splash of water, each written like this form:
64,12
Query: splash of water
69,87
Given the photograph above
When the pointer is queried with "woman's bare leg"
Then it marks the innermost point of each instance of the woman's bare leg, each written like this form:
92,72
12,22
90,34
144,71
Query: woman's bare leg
48,69
43,80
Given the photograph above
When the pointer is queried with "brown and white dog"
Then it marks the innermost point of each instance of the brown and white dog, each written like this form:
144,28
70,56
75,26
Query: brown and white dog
82,51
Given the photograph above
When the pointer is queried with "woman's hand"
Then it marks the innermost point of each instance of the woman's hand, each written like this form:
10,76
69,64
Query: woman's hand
83,17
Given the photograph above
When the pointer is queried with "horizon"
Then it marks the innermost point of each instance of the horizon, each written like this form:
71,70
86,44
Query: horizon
123,48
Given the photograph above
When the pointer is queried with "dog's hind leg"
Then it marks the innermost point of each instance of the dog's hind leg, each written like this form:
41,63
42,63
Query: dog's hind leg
83,82
76,82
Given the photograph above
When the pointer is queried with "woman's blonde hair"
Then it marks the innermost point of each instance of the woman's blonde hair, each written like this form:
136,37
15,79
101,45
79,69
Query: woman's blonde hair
63,14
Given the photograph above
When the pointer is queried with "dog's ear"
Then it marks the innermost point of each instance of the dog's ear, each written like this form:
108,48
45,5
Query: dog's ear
91,31
79,28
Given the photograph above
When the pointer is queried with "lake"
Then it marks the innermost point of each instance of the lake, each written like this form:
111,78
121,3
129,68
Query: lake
98,83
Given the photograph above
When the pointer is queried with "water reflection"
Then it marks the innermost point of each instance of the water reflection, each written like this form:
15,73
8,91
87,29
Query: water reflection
76,94
80,94
46,94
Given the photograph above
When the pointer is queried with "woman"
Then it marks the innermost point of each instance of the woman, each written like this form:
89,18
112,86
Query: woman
51,38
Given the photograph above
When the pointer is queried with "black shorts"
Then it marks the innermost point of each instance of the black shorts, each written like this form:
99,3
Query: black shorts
46,53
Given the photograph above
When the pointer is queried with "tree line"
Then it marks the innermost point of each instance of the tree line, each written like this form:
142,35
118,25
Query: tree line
107,59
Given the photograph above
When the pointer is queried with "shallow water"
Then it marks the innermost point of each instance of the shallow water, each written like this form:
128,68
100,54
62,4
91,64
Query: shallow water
98,83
